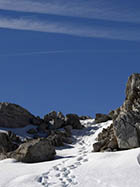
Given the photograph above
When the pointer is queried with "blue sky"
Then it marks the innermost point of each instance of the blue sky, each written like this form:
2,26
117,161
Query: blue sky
70,56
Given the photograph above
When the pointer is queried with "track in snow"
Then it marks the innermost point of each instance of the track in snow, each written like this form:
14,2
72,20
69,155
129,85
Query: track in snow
62,174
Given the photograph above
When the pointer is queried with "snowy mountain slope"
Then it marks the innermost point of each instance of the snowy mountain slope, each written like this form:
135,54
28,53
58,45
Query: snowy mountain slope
76,165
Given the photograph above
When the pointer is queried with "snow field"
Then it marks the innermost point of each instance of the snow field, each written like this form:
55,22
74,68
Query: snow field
77,165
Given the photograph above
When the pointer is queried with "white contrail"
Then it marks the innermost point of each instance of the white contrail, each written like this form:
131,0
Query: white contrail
94,9
32,53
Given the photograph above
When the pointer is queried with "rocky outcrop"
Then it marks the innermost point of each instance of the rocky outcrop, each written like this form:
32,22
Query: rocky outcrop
106,141
73,120
127,122
56,119
36,150
14,116
100,118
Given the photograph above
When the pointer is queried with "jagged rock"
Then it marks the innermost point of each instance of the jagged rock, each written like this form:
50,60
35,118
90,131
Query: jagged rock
51,116
114,113
32,131
127,122
36,150
98,145
85,117
73,120
6,145
106,140
60,116
57,123
100,118
14,116
56,119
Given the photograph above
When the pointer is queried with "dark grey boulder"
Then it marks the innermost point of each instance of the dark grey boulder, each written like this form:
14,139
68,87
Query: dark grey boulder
36,150
51,116
73,120
100,118
57,123
14,116
58,138
98,145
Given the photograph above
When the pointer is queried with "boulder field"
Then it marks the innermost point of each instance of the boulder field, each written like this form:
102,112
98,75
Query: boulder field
52,131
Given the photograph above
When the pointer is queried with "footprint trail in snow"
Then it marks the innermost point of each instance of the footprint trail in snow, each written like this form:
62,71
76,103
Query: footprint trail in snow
62,174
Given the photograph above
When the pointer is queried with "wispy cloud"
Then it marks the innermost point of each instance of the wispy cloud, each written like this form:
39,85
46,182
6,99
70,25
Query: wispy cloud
32,53
22,17
96,9
76,29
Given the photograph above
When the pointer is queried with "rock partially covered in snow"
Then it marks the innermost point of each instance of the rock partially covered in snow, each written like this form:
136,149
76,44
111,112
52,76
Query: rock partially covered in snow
106,140
127,122
36,150
14,116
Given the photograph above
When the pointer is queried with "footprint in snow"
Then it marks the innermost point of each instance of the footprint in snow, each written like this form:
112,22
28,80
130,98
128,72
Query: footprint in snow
66,178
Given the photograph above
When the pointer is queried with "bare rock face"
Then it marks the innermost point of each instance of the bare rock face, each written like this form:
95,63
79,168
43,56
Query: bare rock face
127,121
36,150
14,116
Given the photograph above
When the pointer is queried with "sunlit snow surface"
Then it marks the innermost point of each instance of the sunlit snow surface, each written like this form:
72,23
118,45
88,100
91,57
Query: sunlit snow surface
77,165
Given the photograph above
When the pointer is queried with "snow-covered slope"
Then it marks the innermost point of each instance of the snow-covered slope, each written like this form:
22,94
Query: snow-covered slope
77,165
